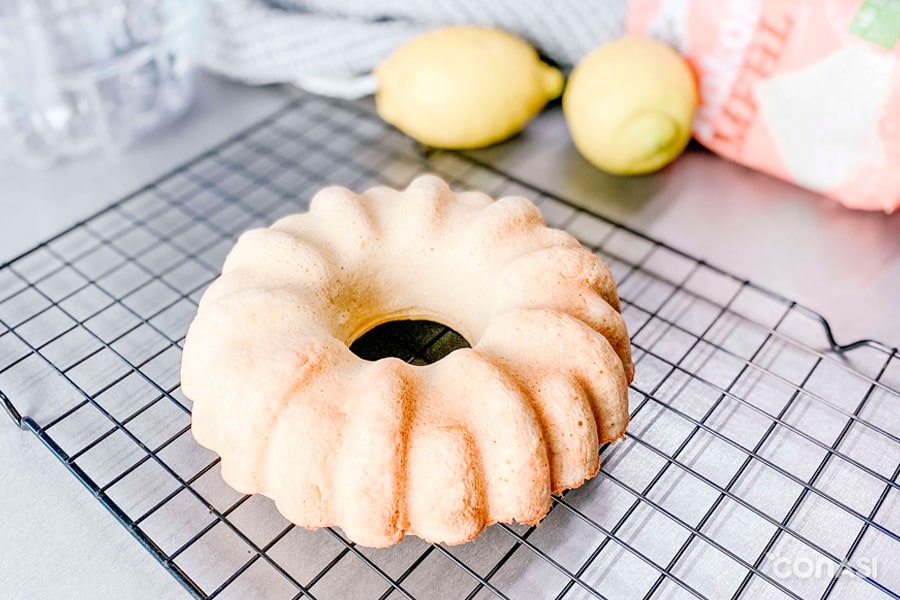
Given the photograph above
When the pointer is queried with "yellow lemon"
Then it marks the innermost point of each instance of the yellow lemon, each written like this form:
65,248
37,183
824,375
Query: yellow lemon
464,87
629,105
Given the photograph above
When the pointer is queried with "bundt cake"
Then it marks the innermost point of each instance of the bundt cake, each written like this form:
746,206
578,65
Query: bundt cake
385,448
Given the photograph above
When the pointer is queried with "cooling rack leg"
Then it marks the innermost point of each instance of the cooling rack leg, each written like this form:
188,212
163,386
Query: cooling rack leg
11,410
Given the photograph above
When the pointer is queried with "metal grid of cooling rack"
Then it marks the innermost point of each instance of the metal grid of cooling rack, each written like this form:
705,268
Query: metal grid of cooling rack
761,462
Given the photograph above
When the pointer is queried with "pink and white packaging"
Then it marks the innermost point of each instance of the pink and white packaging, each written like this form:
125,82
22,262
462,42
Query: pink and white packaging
806,90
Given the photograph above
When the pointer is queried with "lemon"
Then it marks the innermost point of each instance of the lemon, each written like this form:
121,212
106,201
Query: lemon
464,87
629,105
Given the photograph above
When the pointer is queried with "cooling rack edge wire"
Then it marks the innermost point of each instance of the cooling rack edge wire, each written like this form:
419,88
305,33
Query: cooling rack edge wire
483,580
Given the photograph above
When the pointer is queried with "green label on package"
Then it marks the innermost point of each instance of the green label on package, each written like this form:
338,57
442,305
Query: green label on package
878,21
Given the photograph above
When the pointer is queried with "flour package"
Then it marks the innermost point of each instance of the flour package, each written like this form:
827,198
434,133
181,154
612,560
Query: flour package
806,90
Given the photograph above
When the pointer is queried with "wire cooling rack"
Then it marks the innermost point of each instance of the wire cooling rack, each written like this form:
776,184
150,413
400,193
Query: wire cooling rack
761,460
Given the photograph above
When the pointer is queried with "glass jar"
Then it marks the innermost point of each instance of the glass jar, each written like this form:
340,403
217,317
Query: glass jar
77,75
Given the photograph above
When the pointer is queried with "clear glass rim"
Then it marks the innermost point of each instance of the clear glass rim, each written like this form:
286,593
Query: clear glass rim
43,13
36,79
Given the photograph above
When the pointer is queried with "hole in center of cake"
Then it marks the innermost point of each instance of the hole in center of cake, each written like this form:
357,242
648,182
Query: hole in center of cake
418,342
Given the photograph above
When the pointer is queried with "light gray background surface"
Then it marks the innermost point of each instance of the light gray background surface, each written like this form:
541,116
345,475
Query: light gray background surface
57,541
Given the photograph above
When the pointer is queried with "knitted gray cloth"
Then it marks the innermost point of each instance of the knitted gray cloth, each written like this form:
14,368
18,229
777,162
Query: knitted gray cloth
331,46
